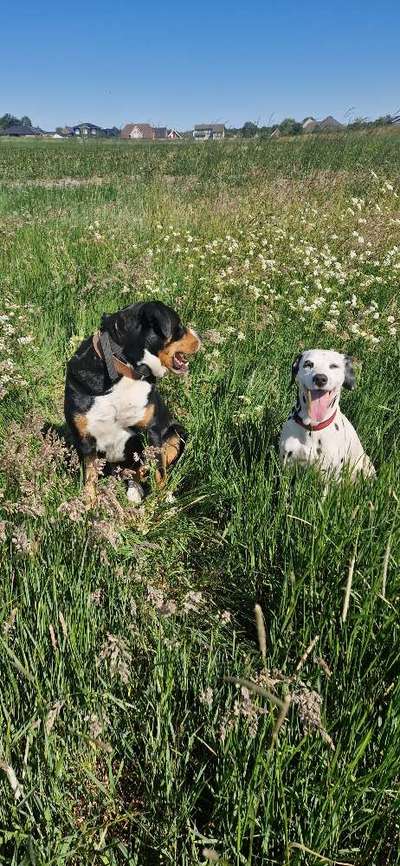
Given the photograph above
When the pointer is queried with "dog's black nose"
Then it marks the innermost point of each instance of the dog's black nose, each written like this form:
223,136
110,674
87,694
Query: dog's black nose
320,380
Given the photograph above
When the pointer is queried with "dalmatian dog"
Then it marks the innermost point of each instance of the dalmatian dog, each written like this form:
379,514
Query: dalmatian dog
317,431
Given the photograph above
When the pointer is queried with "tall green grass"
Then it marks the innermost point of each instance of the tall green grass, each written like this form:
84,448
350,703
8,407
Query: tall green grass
117,718
232,161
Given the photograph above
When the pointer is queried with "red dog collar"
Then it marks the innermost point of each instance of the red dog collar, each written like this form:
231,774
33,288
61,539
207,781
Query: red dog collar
312,427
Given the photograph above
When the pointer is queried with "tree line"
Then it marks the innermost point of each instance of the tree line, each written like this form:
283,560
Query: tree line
250,129
290,126
10,120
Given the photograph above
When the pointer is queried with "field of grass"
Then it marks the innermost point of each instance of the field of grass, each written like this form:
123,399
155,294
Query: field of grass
122,739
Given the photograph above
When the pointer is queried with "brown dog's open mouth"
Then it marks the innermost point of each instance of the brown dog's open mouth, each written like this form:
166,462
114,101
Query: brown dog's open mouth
180,364
174,355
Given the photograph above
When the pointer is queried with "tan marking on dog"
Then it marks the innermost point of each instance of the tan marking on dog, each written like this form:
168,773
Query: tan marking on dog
81,425
91,476
170,452
141,475
148,416
189,344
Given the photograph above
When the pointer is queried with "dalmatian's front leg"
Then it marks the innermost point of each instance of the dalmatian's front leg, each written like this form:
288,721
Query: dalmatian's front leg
293,451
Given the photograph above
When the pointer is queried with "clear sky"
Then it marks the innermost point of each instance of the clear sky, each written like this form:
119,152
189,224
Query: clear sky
177,63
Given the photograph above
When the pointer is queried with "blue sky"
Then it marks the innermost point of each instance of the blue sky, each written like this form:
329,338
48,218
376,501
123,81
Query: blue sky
177,63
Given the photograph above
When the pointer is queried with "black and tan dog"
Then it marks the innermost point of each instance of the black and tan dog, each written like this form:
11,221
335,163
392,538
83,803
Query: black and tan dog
111,397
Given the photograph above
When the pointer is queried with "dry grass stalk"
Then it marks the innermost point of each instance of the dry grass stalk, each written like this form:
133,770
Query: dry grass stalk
318,856
281,718
323,665
52,716
386,559
307,653
327,739
346,601
53,638
15,785
253,687
261,633
63,624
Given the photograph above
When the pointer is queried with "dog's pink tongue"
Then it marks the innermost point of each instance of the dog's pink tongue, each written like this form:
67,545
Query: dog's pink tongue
319,404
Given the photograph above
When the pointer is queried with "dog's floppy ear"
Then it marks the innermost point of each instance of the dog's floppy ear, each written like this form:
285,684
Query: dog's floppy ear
155,315
349,375
114,324
107,321
295,367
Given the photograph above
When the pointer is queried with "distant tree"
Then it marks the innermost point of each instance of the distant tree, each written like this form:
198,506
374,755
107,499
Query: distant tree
290,126
386,120
232,131
364,123
8,120
11,120
358,123
266,131
249,129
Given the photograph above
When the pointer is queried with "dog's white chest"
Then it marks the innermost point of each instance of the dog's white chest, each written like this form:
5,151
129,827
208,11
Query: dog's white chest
326,447
112,415
331,448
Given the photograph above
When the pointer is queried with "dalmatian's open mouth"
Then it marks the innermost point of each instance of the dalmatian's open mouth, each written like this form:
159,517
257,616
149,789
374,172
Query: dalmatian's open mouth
319,402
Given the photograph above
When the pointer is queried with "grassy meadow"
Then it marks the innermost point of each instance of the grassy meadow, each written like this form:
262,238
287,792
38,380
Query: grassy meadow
122,738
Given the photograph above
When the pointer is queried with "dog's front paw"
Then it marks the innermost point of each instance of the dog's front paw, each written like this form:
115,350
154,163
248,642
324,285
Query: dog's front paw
135,492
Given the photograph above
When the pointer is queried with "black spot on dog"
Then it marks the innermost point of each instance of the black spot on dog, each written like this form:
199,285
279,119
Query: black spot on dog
289,453
342,459
336,426
319,441
319,451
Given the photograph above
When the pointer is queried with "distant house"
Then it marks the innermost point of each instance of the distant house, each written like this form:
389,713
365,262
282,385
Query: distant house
276,133
206,131
396,120
138,131
310,124
111,132
166,133
88,130
21,131
329,123
64,131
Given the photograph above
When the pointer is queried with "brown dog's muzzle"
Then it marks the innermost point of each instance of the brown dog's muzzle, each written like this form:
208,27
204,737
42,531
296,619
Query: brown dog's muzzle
173,355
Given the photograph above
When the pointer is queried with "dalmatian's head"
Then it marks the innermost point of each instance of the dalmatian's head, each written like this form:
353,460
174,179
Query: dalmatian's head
320,375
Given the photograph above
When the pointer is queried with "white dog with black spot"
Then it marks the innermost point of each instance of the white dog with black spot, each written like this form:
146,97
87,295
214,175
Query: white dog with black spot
317,432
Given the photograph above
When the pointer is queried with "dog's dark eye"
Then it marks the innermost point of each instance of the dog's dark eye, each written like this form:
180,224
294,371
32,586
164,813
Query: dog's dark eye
308,364
333,366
